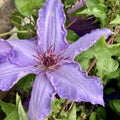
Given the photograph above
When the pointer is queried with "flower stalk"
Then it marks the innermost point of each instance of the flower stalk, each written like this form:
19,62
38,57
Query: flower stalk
12,32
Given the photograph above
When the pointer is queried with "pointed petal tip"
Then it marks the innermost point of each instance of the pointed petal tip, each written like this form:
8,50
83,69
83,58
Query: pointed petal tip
100,102
76,86
105,31
85,42
50,23
99,87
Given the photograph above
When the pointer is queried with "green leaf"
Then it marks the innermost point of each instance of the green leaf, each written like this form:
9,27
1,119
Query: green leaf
17,19
72,36
72,113
83,60
91,3
92,116
117,39
116,20
27,7
115,74
7,107
56,105
115,106
104,53
14,112
111,65
21,112
108,91
30,31
69,3
13,115
102,1
96,8
19,22
25,83
100,113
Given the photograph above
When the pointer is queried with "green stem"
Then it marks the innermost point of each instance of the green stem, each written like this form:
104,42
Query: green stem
63,106
12,32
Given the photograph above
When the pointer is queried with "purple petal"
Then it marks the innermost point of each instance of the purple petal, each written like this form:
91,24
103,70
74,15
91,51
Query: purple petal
77,6
26,102
51,31
5,50
23,52
85,42
72,83
40,102
10,74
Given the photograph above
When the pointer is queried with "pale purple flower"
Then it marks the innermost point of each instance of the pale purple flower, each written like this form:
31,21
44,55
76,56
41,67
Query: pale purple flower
51,59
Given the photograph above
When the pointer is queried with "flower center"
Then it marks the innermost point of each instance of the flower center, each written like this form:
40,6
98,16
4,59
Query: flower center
48,61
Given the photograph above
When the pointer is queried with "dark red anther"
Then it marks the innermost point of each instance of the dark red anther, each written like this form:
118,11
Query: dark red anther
48,61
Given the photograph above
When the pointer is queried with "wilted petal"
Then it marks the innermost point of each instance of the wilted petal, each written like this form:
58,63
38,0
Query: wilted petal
86,42
40,102
72,83
10,74
5,50
23,51
51,31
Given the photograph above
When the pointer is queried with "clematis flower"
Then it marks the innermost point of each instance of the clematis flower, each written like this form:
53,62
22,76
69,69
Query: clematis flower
51,59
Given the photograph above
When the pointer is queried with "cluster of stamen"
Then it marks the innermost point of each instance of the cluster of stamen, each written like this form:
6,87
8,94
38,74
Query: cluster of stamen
49,60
